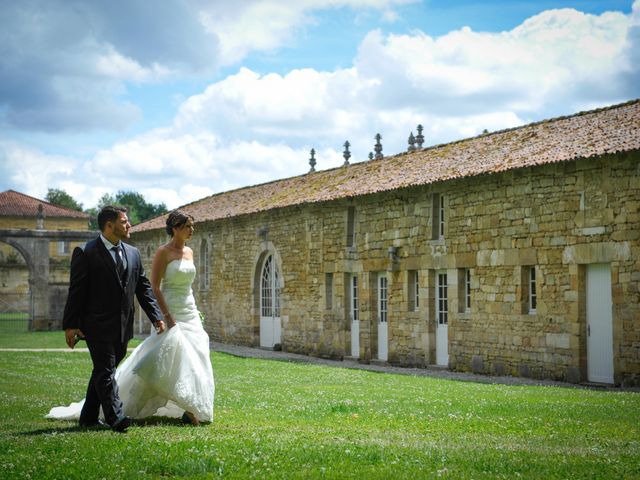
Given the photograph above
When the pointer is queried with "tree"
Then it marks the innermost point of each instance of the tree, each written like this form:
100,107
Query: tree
62,199
105,200
139,209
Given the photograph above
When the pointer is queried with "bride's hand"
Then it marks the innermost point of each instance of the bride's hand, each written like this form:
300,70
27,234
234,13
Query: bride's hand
170,321
160,327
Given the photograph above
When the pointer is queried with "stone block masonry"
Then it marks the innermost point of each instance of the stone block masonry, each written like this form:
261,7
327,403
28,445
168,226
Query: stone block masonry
553,220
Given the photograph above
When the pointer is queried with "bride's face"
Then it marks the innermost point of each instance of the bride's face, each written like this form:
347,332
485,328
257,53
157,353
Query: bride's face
185,231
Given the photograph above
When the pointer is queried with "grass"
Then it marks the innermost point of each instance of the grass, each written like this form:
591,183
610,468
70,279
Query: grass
14,334
288,420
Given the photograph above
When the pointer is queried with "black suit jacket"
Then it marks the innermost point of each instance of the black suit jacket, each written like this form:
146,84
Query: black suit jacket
100,304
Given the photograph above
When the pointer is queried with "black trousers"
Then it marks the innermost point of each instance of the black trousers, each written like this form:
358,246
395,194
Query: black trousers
102,390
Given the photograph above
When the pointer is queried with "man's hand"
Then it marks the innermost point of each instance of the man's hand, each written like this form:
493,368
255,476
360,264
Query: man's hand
70,336
160,327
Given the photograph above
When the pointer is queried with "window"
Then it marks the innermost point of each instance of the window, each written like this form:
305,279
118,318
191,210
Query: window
413,290
533,299
382,299
351,227
355,314
270,289
329,290
203,266
63,248
529,296
438,215
464,290
442,307
467,290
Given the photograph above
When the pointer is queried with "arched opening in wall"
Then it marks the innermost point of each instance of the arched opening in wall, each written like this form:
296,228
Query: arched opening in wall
268,288
15,292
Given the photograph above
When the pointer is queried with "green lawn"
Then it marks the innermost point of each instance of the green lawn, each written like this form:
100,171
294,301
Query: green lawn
287,420
14,334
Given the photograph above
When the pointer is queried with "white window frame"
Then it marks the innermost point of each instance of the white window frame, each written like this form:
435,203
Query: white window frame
383,299
205,250
355,311
270,288
533,297
467,290
442,298
413,292
63,247
441,223
438,213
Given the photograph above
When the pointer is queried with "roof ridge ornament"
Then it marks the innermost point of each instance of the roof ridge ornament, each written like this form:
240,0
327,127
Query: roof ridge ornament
346,154
312,160
378,147
420,137
412,143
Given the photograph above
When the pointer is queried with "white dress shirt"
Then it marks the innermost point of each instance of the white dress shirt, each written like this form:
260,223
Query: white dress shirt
109,246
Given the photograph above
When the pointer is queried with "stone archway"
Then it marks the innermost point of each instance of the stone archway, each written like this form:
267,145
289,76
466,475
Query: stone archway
33,245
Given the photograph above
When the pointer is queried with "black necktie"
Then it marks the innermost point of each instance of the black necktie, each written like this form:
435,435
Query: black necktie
119,263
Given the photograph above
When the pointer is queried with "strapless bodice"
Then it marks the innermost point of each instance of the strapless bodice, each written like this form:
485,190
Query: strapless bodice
176,288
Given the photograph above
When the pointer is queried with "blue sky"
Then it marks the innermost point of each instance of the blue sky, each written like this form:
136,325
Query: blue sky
193,97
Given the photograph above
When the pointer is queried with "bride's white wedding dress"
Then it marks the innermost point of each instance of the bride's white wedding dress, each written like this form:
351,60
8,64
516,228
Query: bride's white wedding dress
169,373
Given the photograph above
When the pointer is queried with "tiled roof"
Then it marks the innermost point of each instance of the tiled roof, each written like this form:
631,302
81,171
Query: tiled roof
16,204
583,135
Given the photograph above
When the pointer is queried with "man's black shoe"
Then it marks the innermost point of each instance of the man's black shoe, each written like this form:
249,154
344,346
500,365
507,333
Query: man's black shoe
93,425
121,425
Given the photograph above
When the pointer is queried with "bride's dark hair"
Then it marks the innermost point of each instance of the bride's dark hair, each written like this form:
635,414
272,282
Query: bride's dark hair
176,219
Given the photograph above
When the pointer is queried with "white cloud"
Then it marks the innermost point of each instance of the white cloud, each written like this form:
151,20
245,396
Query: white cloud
457,85
263,25
112,64
250,128
31,171
557,54
65,63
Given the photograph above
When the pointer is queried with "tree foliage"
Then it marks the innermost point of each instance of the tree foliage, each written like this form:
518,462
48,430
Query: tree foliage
138,208
62,199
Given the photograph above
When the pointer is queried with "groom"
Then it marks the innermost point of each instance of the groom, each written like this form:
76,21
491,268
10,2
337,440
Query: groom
105,275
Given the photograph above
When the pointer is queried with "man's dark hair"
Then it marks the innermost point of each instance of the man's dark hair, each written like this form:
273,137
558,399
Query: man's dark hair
110,213
176,219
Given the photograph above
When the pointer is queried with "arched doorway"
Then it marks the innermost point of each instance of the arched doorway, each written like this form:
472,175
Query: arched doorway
270,286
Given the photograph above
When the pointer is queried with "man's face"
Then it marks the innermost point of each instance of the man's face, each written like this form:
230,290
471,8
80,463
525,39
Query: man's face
121,226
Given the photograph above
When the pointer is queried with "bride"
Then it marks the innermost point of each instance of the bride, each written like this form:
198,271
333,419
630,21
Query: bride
168,374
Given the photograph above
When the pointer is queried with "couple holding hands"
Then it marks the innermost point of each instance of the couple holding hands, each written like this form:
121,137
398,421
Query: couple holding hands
169,373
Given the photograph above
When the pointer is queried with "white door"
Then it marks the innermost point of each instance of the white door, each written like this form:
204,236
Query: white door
355,318
270,328
382,318
442,319
599,324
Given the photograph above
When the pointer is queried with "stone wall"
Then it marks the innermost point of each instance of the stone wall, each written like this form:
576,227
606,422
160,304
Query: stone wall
555,219
15,289
56,252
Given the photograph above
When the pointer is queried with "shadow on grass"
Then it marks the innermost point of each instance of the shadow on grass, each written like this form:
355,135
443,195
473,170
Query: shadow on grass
144,422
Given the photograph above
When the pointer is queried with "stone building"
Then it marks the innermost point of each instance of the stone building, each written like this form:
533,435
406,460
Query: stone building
23,212
515,252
